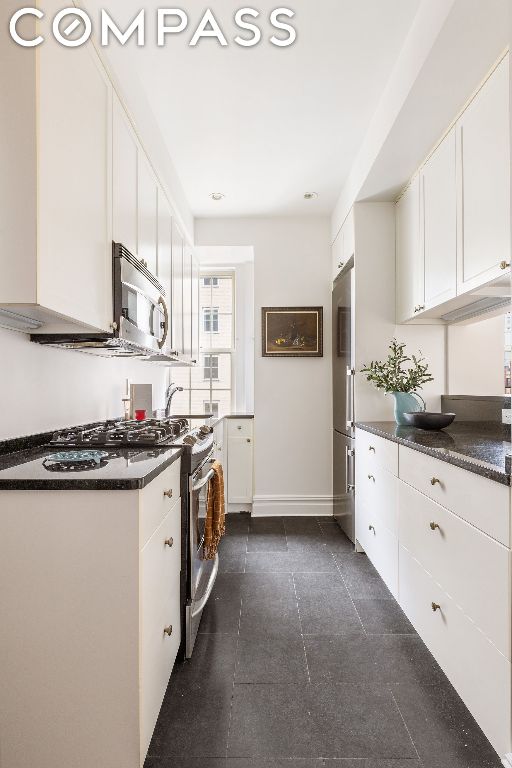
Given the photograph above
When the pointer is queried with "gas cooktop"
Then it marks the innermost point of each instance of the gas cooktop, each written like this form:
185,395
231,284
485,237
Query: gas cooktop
150,432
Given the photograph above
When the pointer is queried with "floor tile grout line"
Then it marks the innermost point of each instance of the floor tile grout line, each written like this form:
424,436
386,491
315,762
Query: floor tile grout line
234,676
348,591
301,630
405,724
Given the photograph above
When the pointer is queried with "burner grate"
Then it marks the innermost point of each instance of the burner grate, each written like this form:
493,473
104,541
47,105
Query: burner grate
150,432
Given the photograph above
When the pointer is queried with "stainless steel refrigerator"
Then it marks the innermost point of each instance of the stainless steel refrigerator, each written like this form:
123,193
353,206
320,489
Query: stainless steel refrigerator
343,399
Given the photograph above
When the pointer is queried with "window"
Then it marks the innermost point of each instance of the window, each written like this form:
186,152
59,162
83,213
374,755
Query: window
208,388
211,407
211,319
211,367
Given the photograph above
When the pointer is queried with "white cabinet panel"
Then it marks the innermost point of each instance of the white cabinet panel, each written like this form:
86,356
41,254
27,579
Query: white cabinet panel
375,451
157,499
74,269
470,566
439,214
124,180
380,545
349,237
164,255
147,214
337,254
240,470
187,302
479,672
410,288
177,290
377,490
484,180
195,310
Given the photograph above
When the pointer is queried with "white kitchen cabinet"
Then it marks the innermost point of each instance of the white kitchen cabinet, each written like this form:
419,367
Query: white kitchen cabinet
187,302
410,274
88,655
484,182
55,211
195,309
344,245
337,254
147,206
177,291
240,461
124,181
164,254
439,223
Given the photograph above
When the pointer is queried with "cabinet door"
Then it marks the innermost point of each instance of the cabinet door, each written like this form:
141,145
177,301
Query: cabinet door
439,214
164,255
337,254
484,183
159,611
74,187
124,183
349,241
177,290
195,310
240,470
147,214
410,288
187,302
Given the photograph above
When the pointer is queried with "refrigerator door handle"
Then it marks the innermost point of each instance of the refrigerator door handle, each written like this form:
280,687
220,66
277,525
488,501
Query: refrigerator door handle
350,398
349,486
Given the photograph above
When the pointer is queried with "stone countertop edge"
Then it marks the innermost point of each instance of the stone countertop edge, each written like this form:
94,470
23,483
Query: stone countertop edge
77,484
457,459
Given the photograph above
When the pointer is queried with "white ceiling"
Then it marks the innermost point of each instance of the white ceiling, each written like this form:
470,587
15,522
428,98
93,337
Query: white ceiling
264,125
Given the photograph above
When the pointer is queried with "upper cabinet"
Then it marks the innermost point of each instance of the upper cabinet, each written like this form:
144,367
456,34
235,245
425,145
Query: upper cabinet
195,309
484,203
439,223
55,216
147,202
124,179
410,286
453,221
177,340
344,245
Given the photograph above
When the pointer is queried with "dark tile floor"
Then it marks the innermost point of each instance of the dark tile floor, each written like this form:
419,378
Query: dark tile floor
304,659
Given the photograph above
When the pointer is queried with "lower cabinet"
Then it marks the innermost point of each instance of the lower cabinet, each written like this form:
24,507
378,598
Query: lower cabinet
439,537
90,606
240,460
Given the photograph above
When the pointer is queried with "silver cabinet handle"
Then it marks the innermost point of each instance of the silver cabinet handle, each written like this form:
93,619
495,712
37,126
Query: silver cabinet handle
436,607
168,493
349,453
371,477
371,528
168,630
435,481
434,526
169,542
504,264
371,448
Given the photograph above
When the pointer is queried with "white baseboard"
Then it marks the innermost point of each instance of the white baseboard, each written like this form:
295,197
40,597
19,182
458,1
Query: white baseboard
282,506
507,760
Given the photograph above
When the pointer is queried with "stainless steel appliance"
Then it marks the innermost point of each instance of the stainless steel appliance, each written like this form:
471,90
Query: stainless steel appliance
197,574
140,325
343,399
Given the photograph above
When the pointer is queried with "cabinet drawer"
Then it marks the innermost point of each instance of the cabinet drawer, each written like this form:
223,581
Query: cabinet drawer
157,499
478,671
159,610
482,502
381,547
376,492
470,566
239,427
374,450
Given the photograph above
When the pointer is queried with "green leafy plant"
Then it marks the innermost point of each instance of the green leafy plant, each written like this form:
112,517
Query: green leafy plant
399,372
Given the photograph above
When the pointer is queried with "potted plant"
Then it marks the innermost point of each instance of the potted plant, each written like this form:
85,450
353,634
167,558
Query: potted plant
400,376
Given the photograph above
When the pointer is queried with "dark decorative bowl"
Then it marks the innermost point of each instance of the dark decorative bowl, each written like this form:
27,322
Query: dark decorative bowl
429,420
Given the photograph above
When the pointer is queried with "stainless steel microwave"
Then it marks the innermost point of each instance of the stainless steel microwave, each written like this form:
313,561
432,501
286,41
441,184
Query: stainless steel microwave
140,325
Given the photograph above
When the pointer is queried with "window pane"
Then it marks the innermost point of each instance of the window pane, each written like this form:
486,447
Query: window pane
223,380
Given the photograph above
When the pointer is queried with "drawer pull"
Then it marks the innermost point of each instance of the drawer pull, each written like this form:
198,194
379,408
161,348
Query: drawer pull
436,607
168,493
371,448
433,526
239,427
168,630
371,528
169,542
371,477
435,481
248,439
504,265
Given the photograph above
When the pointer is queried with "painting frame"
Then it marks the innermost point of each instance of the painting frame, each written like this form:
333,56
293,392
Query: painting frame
275,318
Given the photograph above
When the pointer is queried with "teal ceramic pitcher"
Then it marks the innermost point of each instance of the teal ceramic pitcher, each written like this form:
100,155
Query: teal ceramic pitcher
407,402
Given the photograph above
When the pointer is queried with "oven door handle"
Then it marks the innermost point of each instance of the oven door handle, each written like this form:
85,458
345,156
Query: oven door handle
203,482
201,604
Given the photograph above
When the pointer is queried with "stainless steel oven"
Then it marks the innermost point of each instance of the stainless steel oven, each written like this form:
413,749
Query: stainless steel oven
202,572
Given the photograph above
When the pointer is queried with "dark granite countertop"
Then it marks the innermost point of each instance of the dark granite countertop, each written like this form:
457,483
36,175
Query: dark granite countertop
479,447
124,470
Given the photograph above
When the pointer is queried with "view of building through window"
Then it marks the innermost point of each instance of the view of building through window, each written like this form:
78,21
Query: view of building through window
207,388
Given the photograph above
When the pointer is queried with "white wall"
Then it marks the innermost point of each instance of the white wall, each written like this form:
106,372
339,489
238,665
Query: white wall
476,357
43,389
292,397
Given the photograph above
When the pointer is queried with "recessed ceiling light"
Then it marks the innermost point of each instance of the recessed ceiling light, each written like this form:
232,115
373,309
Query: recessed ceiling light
217,196
310,195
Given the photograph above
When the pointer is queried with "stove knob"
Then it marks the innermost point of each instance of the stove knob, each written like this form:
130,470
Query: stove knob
189,440
205,430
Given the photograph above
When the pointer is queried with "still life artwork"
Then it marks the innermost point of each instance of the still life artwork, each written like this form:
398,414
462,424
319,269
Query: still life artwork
292,331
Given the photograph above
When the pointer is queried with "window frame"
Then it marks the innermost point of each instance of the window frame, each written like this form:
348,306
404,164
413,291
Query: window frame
211,366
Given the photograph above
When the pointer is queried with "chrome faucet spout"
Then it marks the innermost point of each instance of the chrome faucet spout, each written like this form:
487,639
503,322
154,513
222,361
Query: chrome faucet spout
170,392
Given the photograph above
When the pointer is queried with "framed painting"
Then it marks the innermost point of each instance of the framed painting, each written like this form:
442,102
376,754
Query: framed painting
292,331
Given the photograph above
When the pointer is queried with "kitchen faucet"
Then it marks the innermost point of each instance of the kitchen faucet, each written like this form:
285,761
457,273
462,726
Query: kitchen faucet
171,390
